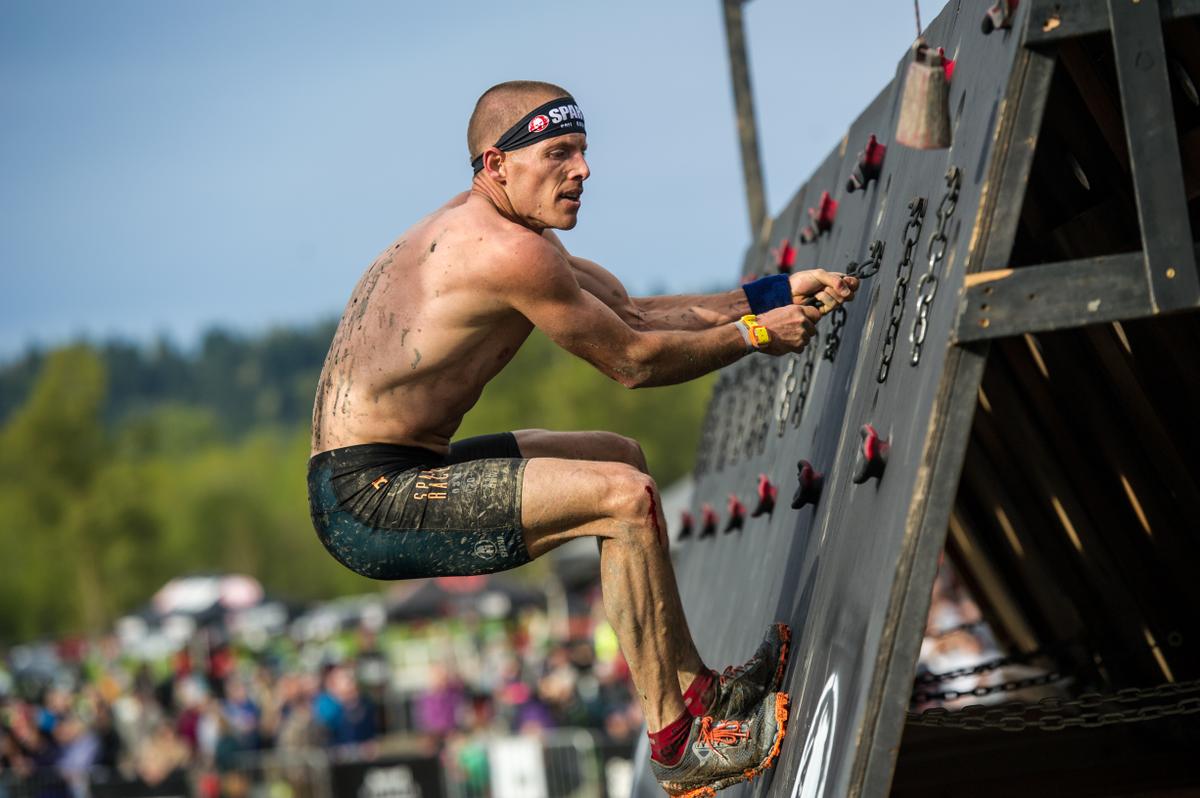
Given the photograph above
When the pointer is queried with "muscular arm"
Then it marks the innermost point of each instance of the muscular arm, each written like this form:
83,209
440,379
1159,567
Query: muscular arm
677,312
541,284
686,311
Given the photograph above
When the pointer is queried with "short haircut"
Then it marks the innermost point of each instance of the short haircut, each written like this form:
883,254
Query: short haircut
501,106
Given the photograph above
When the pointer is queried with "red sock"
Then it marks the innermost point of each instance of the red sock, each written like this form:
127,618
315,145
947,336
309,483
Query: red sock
693,697
666,744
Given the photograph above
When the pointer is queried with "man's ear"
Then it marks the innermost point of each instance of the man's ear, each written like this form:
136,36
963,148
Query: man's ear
493,164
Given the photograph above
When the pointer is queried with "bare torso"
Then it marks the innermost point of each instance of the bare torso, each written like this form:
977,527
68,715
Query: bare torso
419,340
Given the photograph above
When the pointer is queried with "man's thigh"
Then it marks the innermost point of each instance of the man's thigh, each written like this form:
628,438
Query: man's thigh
594,445
564,499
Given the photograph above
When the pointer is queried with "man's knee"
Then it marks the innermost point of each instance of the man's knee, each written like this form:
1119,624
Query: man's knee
633,501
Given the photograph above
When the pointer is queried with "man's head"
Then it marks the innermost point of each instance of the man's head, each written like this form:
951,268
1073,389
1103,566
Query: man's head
541,181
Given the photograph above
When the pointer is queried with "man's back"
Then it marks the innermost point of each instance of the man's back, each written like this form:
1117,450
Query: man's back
421,335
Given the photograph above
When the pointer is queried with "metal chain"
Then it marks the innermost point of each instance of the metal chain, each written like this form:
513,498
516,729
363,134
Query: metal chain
757,409
833,338
704,449
740,403
725,419
870,266
714,426
912,235
980,691
936,253
787,388
837,318
767,376
806,373
1053,713
952,630
979,668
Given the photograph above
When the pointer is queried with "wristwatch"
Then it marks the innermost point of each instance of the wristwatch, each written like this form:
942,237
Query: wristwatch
755,335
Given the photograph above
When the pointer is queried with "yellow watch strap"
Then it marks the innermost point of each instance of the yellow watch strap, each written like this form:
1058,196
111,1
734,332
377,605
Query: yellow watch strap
759,337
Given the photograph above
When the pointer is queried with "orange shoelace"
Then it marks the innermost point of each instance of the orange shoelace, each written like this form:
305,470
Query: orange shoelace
724,732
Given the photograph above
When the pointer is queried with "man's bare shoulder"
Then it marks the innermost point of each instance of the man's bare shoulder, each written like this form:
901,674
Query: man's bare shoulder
508,252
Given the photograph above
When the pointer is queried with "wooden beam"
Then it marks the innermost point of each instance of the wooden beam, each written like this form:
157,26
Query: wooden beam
1051,21
908,606
1017,144
1055,296
1141,61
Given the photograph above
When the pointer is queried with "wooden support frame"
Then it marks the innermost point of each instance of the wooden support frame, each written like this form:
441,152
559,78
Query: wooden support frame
1141,61
1050,21
1162,277
1056,296
1004,302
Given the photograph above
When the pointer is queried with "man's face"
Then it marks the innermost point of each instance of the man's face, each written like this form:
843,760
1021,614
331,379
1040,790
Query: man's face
545,180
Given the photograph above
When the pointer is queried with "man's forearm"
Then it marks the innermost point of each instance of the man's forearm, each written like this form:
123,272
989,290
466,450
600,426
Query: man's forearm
692,311
668,357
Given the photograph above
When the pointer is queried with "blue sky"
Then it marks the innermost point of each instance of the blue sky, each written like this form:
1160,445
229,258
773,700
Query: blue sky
170,166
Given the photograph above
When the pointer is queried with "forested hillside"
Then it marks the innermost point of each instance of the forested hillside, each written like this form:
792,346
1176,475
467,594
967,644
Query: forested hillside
122,467
244,381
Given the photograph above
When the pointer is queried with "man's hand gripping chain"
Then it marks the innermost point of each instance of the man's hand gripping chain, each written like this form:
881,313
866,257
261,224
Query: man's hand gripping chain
821,290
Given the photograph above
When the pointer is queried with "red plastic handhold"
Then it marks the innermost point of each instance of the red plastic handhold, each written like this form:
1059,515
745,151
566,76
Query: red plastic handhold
808,491
708,521
870,164
737,514
686,525
767,492
874,151
872,455
785,256
822,219
947,64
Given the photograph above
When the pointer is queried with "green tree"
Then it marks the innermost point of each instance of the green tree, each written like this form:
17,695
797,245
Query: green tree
50,453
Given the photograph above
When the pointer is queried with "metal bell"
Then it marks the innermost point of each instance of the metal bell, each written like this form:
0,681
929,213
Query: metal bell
925,106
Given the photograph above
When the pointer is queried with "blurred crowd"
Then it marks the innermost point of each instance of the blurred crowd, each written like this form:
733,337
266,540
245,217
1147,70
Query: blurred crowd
198,717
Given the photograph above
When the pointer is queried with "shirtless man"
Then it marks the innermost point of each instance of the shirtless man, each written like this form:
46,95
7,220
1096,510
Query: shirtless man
440,313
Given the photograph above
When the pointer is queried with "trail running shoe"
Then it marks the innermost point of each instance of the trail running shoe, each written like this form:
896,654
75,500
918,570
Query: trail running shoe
744,686
722,752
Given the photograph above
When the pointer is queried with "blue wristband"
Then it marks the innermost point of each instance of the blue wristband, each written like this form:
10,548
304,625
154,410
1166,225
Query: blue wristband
770,292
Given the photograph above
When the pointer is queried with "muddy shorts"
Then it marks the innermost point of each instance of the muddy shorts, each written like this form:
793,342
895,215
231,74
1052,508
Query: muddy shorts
401,512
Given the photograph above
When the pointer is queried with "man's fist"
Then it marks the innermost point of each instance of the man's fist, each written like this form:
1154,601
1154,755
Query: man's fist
829,288
790,328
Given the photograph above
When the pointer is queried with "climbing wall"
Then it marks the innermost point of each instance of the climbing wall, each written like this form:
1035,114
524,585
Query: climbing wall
825,480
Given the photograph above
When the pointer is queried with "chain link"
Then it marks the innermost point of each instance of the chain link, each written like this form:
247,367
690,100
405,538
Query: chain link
979,691
767,376
936,253
953,630
787,388
806,373
741,407
870,266
726,421
1054,713
981,667
704,449
833,338
912,236
991,665
837,317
